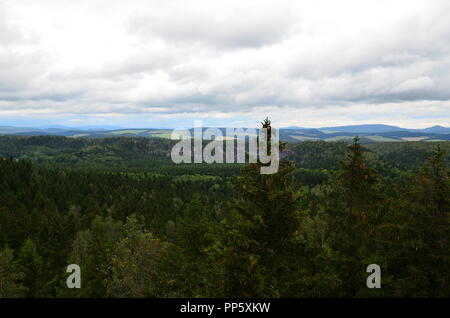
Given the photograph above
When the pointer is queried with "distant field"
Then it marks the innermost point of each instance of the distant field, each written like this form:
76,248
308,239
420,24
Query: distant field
128,131
329,131
380,138
292,135
160,135
414,138
372,138
303,137
338,138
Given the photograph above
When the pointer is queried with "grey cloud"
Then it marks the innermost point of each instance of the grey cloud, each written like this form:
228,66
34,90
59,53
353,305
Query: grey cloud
190,72
9,33
199,61
409,62
19,70
240,28
144,62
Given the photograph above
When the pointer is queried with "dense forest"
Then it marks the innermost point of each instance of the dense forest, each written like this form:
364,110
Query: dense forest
140,226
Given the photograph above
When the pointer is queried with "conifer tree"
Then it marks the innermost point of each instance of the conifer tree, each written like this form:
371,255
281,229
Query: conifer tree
417,239
92,250
30,263
259,234
353,207
10,276
134,263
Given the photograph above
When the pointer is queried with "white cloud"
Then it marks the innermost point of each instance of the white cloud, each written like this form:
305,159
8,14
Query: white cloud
317,62
219,25
415,84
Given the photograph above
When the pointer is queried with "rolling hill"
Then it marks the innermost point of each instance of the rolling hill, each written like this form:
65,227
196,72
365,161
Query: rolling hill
367,133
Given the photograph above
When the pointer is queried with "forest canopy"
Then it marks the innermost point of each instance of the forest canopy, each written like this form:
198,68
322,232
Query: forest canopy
140,226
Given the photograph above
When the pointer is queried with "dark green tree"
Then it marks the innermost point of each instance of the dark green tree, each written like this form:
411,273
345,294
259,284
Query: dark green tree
354,212
92,250
10,276
134,263
30,263
416,233
260,252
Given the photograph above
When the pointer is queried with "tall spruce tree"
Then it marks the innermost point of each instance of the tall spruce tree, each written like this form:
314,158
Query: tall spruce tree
353,207
30,263
257,249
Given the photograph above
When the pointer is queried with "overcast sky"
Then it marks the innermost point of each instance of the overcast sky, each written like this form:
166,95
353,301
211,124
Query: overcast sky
230,63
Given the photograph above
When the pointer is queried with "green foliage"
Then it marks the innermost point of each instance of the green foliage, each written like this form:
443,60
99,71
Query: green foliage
260,252
353,210
416,233
140,226
92,250
134,263
10,276
30,263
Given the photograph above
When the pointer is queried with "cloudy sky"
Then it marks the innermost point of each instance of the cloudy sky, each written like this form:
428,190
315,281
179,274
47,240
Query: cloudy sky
229,63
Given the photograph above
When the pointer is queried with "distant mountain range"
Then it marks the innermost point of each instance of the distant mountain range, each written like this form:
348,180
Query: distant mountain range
368,133
371,132
376,128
